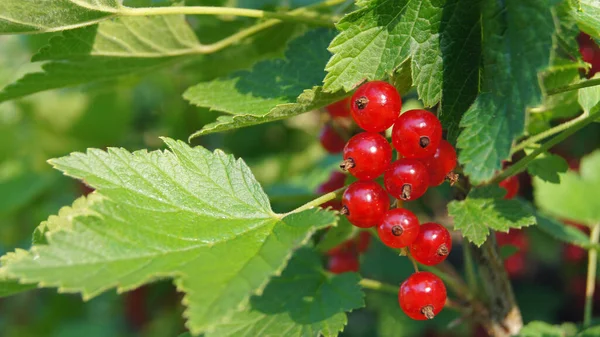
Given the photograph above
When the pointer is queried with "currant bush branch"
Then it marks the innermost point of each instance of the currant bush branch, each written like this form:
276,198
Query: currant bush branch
522,164
378,286
591,277
318,201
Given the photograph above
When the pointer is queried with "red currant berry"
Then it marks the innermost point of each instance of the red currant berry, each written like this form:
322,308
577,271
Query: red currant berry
399,228
375,106
417,134
339,109
335,181
511,185
343,248
365,203
367,155
343,262
422,296
363,242
406,179
432,245
442,163
331,141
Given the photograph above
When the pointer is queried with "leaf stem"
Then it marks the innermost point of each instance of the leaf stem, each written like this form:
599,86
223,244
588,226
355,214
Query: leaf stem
212,10
574,86
318,201
379,286
591,277
531,141
470,268
523,163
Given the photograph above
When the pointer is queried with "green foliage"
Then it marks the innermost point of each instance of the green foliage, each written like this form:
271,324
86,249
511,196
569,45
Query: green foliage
587,15
547,167
575,197
270,90
512,58
304,301
542,329
220,215
485,209
589,98
22,188
337,235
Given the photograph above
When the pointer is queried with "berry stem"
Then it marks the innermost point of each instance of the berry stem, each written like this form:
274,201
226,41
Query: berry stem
379,286
522,164
574,86
316,202
591,277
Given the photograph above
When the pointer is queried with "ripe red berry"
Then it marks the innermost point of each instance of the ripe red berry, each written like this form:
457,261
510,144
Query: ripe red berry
399,228
343,262
432,245
331,141
422,296
365,203
511,185
339,108
441,163
406,179
417,134
347,246
367,155
375,106
335,181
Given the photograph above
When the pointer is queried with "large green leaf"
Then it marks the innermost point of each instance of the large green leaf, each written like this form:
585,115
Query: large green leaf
37,16
304,301
576,196
485,209
108,50
512,57
443,38
270,90
587,14
195,216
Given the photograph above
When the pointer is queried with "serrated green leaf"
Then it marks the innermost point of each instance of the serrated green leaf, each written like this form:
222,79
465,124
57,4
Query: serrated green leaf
485,209
9,287
441,36
37,16
304,301
543,329
109,50
547,167
576,196
512,58
587,14
272,90
189,214
589,98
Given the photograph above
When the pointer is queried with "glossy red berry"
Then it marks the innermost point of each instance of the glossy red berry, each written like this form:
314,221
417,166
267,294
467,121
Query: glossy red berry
511,185
375,106
339,109
367,155
343,262
417,134
365,203
432,245
422,296
335,181
441,163
331,140
399,228
406,179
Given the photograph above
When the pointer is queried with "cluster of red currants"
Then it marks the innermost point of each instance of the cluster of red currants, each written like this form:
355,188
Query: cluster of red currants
425,160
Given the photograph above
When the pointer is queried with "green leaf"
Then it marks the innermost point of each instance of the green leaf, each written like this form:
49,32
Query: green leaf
441,37
589,98
34,16
590,332
337,235
543,329
195,216
109,50
587,14
507,251
22,188
485,209
9,287
576,196
270,90
512,58
304,301
547,167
